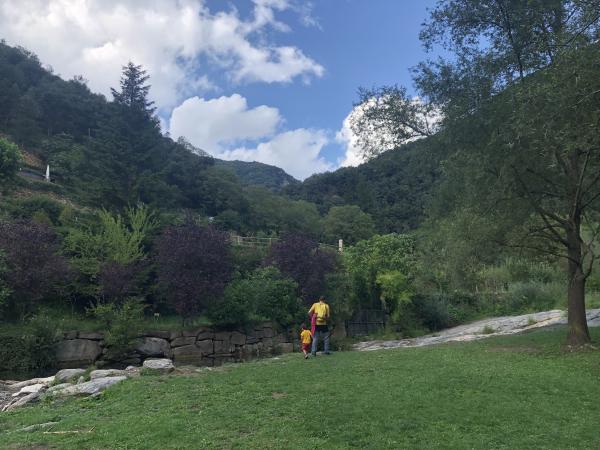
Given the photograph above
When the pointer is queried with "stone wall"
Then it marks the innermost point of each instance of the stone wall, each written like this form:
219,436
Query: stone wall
199,347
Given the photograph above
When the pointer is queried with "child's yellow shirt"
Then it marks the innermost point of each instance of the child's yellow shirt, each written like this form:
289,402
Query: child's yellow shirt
306,337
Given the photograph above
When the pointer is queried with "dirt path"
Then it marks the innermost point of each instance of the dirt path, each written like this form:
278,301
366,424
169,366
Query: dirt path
481,329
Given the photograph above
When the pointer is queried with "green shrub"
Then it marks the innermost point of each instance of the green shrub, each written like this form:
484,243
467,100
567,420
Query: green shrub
33,349
265,295
123,324
433,311
38,208
530,296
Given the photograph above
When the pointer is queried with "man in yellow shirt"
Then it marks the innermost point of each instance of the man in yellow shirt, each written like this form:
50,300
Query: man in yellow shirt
323,316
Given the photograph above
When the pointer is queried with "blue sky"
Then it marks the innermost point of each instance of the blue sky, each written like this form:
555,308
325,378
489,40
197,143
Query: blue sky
265,80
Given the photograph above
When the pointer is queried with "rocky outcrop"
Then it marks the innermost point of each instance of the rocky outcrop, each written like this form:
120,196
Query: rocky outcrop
68,375
481,329
91,387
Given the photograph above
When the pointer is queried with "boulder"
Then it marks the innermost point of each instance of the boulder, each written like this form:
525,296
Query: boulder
161,365
21,384
187,354
77,352
88,388
57,387
95,374
68,374
153,346
181,341
30,389
268,332
20,401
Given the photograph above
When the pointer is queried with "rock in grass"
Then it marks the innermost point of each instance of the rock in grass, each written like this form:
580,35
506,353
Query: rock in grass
162,365
30,389
68,374
88,388
20,401
38,426
21,384
95,374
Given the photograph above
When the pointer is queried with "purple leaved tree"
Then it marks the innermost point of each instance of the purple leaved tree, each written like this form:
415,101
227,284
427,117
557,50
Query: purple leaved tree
300,258
193,264
35,267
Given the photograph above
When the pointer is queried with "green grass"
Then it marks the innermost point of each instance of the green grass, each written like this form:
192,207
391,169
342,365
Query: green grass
521,391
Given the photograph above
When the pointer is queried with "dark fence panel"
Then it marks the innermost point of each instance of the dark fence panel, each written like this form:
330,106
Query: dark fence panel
365,322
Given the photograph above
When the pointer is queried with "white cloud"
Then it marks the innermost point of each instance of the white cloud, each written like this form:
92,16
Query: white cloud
215,124
298,152
220,126
94,38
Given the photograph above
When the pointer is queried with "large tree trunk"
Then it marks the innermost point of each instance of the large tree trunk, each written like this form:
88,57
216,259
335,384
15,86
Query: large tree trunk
578,333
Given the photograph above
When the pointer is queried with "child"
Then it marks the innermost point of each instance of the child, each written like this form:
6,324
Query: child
305,340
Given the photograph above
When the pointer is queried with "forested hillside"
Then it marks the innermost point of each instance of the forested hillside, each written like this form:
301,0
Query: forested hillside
393,188
258,174
107,154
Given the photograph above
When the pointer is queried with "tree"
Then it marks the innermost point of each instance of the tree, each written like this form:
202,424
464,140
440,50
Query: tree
193,265
110,257
34,266
348,223
10,157
547,155
508,56
378,266
301,259
134,92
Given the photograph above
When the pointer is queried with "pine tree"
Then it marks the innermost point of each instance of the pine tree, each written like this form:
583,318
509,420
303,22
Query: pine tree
134,91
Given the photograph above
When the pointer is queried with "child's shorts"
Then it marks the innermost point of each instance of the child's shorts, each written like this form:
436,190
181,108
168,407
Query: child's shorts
306,347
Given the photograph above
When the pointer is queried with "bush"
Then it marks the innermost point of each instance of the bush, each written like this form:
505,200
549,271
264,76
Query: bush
265,295
532,296
123,325
32,351
433,311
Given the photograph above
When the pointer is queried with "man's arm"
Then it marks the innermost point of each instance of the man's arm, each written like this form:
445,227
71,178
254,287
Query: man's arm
311,310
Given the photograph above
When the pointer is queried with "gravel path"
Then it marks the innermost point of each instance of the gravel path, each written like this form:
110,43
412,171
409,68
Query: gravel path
481,329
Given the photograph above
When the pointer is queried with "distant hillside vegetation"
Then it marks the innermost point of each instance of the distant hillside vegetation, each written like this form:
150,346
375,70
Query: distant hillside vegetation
392,188
258,174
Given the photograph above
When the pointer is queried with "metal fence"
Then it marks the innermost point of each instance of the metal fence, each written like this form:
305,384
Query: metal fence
252,241
365,322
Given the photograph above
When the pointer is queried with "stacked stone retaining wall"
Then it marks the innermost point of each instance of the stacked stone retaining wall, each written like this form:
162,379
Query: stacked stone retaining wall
200,347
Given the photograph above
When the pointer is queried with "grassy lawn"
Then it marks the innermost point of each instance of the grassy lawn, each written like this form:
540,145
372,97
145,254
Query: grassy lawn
510,392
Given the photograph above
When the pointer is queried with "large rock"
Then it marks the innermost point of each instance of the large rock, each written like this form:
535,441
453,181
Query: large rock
21,384
68,374
30,389
161,365
153,346
95,374
187,355
57,387
77,352
20,401
206,347
88,388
